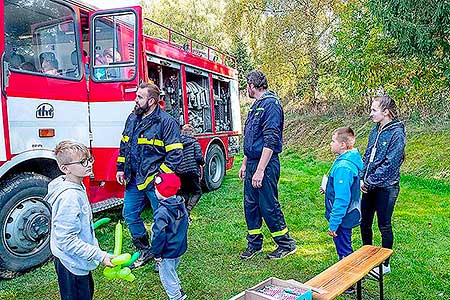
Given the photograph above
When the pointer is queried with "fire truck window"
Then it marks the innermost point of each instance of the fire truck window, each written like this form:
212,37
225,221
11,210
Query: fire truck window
222,105
41,38
199,104
114,47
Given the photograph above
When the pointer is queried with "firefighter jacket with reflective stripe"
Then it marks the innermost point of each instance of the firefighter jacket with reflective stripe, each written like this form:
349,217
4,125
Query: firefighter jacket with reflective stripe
264,126
159,149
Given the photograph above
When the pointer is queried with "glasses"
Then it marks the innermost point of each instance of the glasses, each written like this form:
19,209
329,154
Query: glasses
84,162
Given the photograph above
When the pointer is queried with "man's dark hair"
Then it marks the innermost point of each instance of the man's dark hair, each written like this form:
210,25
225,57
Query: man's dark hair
152,90
258,79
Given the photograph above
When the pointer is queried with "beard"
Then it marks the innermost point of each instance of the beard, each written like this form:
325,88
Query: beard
140,110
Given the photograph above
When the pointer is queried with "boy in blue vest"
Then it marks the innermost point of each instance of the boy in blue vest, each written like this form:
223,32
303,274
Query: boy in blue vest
342,193
169,240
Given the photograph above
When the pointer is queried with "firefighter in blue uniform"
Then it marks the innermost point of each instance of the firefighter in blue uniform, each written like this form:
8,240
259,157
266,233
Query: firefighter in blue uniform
260,170
150,145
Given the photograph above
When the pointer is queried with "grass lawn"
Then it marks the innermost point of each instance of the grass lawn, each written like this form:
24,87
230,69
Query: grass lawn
211,269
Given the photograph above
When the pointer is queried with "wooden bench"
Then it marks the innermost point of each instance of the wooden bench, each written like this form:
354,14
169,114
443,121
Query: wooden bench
348,271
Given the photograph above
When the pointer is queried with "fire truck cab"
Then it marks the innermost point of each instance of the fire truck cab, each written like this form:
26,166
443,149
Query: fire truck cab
70,71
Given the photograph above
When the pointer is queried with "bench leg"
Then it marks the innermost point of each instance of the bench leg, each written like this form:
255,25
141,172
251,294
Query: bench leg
380,280
358,290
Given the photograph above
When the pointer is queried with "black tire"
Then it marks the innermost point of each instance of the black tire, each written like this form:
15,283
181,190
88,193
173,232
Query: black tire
214,167
24,223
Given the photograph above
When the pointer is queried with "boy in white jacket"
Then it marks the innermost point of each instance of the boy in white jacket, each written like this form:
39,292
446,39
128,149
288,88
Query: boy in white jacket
72,238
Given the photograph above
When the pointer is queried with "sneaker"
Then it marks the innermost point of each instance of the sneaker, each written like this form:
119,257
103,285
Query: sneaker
350,290
375,271
156,269
280,253
145,257
183,295
249,253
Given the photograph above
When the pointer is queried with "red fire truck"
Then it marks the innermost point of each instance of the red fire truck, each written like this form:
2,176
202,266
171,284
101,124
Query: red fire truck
69,71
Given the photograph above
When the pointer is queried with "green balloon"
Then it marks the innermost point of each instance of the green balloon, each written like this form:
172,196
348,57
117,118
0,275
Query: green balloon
121,259
101,222
130,277
110,273
134,258
118,239
124,273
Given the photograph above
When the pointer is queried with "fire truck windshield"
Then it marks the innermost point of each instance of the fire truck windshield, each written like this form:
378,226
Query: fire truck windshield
41,38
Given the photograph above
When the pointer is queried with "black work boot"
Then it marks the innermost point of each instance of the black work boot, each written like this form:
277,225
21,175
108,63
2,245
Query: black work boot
143,247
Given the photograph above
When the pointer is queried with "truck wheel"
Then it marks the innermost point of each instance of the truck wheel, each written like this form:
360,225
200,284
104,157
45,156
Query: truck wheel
214,167
24,223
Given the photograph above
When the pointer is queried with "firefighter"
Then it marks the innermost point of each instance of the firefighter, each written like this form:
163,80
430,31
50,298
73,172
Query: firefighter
150,145
260,170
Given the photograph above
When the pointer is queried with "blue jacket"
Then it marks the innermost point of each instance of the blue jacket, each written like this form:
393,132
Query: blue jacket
342,195
170,229
264,126
152,145
384,155
72,237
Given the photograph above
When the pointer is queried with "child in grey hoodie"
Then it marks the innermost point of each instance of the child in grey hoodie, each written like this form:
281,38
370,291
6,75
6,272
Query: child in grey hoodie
72,238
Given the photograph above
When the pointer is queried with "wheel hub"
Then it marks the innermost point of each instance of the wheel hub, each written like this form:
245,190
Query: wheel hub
27,227
215,168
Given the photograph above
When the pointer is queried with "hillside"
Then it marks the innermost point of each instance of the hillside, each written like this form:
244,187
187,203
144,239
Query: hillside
427,150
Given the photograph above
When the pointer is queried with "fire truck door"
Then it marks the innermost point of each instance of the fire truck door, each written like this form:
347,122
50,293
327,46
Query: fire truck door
47,92
4,77
116,67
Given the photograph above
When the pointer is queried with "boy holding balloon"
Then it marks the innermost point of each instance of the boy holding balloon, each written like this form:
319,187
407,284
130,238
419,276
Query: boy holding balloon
169,240
72,238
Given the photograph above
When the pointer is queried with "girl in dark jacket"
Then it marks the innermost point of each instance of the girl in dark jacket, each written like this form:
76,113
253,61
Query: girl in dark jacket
381,174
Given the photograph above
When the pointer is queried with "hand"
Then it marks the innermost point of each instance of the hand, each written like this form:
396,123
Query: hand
363,187
257,179
120,177
107,261
201,173
242,172
332,233
321,190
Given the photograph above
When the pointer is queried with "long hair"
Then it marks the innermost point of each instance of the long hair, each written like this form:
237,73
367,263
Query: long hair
386,102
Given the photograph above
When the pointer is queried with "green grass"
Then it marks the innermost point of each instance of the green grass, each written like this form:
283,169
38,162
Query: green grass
211,269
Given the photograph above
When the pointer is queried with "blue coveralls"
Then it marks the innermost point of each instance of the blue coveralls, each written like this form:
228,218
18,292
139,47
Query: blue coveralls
264,128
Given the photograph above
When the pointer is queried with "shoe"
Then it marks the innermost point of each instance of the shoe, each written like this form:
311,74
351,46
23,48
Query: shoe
143,259
280,253
183,295
375,271
249,253
156,269
350,290
143,247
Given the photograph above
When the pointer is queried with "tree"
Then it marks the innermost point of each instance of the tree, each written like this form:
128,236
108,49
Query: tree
421,27
289,41
369,60
244,63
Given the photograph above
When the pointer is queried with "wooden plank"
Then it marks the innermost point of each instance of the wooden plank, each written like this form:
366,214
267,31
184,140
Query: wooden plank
343,274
